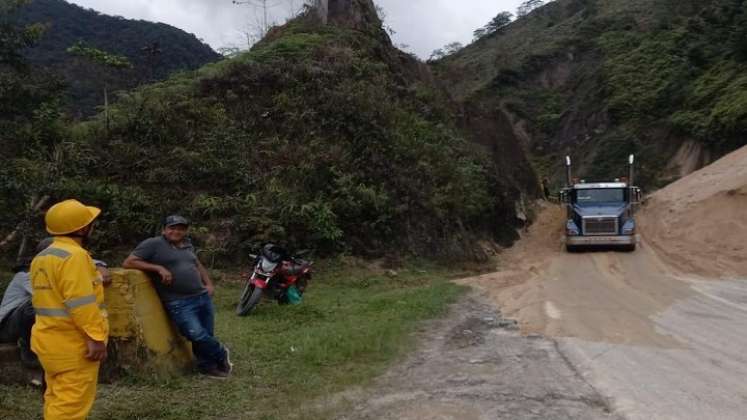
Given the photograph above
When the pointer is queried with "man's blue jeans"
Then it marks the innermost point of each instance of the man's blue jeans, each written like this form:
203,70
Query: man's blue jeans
194,316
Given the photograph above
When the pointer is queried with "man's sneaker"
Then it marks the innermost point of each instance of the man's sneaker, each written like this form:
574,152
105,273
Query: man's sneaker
215,373
226,365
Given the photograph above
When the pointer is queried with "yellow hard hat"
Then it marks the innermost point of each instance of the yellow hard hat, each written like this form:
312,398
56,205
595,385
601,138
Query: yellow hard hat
69,216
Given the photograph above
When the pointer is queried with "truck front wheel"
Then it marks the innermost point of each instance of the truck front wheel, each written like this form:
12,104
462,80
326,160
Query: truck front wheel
629,248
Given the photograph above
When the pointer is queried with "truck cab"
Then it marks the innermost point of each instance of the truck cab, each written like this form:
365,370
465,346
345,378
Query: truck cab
600,214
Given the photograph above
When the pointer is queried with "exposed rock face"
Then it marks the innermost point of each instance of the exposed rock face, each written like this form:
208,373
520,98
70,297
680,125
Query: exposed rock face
358,14
322,9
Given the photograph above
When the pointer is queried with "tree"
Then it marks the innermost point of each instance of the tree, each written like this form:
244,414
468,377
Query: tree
13,39
500,21
152,53
445,51
383,17
526,7
29,117
23,90
738,35
106,62
479,33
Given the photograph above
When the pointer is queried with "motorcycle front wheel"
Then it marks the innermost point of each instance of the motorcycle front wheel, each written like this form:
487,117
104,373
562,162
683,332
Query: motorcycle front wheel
250,297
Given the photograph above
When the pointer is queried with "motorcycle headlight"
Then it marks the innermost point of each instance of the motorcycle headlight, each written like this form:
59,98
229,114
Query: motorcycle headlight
267,266
571,229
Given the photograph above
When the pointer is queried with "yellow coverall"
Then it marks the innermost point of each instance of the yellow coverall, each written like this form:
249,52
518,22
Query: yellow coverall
68,297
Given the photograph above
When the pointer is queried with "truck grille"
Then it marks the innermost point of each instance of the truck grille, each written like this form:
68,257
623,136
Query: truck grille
600,226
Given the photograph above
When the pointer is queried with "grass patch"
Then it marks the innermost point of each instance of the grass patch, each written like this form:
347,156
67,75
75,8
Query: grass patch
352,324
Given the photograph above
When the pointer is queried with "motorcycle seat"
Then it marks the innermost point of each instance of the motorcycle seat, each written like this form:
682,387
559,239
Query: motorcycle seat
294,268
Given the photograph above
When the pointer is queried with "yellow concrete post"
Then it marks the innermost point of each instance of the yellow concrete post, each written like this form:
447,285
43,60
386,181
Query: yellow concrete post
142,337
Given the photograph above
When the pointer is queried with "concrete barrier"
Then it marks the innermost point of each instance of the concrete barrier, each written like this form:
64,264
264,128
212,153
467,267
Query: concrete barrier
142,339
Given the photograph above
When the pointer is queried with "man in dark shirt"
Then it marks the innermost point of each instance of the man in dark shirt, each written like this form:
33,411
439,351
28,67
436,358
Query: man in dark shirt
185,288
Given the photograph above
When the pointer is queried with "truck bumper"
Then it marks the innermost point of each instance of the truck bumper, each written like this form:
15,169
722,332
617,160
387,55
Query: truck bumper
601,240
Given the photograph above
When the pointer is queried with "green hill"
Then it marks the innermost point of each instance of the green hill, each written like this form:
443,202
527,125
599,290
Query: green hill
601,79
321,136
156,50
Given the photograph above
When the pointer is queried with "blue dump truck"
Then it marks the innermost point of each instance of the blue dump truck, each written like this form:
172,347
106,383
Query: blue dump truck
600,214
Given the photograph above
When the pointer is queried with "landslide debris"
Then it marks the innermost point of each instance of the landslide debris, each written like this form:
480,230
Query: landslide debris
699,223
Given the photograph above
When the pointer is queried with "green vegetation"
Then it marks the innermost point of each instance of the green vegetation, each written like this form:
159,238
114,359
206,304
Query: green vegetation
288,359
500,21
602,79
319,137
156,50
98,56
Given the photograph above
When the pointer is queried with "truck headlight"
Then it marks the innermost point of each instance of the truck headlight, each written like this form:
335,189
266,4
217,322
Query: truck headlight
571,229
629,227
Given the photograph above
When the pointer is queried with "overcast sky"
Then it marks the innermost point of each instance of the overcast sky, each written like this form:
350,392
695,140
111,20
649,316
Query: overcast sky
424,25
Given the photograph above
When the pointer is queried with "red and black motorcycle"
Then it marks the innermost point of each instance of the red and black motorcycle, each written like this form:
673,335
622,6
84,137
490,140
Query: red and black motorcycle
277,275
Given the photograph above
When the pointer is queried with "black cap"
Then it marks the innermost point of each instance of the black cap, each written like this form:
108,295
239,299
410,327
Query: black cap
174,220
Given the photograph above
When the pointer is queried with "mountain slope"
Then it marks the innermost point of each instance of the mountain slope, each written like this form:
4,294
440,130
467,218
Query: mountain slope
175,50
321,136
601,79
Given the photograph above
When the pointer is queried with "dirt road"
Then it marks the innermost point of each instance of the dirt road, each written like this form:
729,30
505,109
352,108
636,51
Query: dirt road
656,343
603,335
474,365
660,333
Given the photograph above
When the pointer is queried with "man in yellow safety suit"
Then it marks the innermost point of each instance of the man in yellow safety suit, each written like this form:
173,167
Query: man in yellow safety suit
71,329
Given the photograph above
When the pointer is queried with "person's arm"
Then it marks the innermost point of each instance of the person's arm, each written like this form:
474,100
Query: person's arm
136,263
205,278
103,269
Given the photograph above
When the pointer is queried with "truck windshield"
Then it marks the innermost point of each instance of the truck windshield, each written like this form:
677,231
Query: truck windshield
601,196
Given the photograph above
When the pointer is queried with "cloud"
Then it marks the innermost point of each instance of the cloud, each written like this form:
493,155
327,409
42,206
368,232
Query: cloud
424,25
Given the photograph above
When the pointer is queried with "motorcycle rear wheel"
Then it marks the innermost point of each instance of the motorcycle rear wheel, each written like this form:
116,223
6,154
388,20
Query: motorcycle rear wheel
250,297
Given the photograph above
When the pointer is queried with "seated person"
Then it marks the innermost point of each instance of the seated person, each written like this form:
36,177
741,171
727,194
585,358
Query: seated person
185,288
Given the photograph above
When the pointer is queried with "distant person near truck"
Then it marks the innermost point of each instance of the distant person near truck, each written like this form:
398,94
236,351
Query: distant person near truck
185,288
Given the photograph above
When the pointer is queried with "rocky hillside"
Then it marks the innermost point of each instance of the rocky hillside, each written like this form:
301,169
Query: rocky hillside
601,79
155,50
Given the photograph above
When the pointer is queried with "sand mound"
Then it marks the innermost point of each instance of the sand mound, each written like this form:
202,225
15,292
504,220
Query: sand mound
699,223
